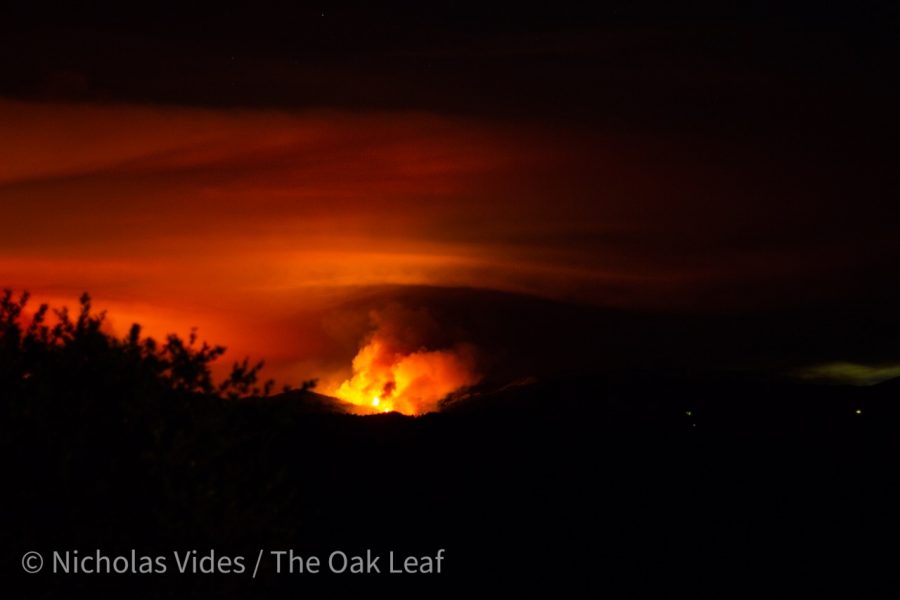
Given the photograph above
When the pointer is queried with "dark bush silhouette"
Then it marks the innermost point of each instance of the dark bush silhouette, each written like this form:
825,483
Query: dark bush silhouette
117,439
37,358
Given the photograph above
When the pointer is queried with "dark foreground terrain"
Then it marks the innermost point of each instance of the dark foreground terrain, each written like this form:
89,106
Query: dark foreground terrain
580,488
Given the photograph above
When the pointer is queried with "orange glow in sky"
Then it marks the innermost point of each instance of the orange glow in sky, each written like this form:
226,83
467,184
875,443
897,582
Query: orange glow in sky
252,224
255,226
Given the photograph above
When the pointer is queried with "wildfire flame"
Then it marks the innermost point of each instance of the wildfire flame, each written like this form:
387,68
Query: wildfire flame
386,379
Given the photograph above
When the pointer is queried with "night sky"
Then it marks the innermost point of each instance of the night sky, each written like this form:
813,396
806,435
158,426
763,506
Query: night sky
703,189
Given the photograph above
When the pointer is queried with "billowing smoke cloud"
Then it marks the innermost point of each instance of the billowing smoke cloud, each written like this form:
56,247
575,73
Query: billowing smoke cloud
407,365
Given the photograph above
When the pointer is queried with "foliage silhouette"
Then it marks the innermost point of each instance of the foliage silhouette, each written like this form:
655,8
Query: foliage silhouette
37,357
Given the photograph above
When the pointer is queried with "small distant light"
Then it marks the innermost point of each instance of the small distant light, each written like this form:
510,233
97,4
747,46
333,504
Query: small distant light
858,411
693,424
689,412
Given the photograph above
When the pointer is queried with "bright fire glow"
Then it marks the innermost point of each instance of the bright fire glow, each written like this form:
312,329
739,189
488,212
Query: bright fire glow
386,379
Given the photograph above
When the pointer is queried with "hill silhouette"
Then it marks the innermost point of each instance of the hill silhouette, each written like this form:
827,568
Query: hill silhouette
578,486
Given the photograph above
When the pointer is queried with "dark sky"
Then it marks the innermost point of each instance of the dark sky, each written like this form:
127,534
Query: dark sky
255,170
614,61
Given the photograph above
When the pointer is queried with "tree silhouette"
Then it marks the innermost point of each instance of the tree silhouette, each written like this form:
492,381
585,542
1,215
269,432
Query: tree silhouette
40,358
